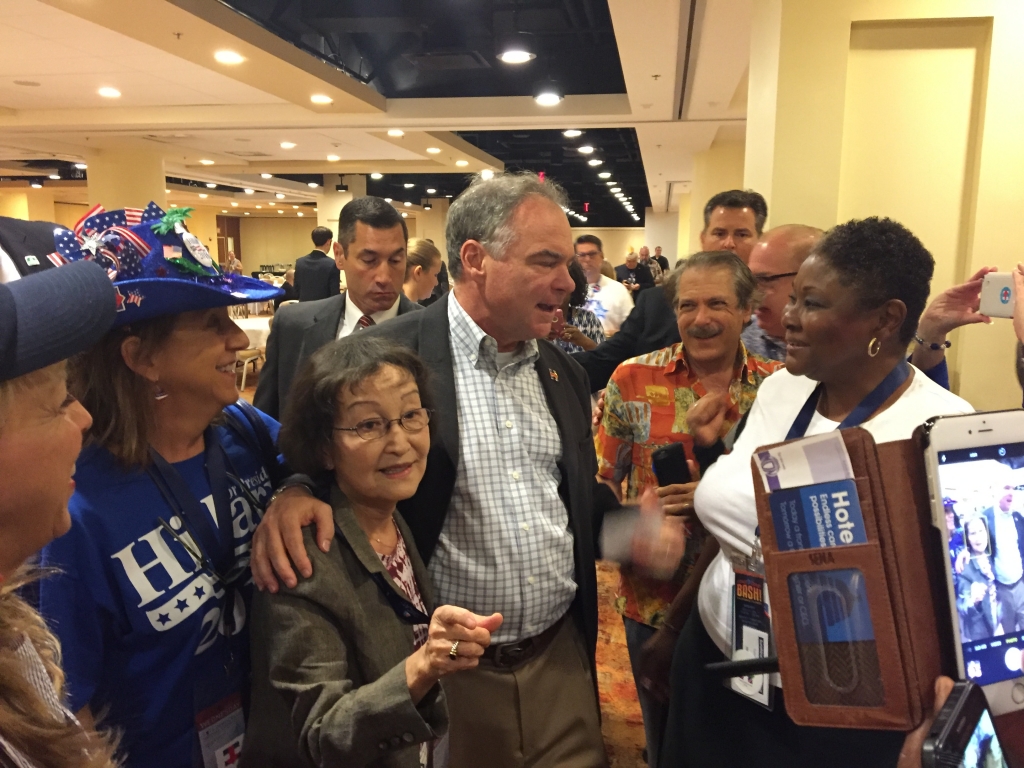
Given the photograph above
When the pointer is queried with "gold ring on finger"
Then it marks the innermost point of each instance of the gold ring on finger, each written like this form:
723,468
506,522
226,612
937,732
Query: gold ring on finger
454,652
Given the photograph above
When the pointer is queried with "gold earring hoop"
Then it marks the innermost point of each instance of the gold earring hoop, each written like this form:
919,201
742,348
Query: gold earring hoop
874,347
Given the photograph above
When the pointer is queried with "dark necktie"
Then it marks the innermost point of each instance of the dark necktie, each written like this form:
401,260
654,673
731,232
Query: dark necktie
365,322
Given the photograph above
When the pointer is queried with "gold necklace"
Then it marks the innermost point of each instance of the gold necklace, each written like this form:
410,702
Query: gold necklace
378,538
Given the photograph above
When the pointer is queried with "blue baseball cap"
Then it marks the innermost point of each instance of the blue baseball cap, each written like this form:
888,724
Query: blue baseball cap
51,315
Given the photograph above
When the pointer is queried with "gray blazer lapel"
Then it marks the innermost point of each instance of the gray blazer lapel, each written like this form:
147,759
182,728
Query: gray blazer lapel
436,350
323,329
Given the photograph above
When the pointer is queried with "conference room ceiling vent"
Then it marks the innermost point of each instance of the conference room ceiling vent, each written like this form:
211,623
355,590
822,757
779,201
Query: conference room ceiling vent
436,61
239,153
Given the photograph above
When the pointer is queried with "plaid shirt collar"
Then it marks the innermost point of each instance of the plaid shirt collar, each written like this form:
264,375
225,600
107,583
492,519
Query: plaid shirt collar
471,341
741,370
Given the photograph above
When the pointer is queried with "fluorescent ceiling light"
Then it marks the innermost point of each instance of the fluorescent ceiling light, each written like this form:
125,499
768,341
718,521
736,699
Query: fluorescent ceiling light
246,213
610,183
109,93
229,57
595,162
206,162
377,176
586,149
572,133
396,132
287,145
431,191
408,186
616,189
433,150
321,98
333,158
81,166
462,163
605,175
266,175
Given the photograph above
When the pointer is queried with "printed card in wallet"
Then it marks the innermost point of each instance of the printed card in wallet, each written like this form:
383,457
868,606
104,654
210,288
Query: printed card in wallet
856,604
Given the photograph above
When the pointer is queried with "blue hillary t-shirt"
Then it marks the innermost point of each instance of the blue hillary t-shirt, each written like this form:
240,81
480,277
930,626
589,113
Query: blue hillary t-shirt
140,623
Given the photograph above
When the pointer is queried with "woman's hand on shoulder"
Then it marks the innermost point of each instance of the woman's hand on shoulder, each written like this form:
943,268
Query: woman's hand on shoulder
451,629
277,542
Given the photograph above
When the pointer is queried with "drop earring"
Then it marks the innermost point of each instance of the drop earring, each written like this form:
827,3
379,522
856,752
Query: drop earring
160,394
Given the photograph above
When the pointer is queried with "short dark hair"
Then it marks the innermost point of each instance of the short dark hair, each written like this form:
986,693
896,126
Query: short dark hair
373,212
881,260
578,297
739,198
322,236
307,429
744,282
592,239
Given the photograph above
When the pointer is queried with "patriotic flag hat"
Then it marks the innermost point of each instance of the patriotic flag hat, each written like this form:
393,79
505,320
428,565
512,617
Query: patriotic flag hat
157,266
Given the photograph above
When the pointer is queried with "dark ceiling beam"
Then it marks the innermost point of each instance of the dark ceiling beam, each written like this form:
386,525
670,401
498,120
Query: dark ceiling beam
588,9
383,25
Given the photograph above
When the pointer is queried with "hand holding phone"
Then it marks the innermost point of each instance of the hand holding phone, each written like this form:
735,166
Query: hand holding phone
963,734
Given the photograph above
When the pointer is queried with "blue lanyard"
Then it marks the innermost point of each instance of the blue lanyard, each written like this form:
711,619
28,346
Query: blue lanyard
893,381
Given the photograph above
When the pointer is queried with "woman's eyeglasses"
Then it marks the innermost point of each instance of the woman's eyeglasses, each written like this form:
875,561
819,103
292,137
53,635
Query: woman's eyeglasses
374,429
763,280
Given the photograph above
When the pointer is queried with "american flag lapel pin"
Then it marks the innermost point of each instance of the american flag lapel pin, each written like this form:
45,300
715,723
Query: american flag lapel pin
553,373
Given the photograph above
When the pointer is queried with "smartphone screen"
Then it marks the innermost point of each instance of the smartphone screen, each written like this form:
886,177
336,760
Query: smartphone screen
983,502
983,750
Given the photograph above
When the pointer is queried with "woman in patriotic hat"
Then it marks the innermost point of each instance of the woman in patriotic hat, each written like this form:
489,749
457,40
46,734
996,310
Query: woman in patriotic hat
152,602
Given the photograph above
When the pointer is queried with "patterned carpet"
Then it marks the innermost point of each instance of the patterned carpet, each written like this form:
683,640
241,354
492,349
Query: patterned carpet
621,721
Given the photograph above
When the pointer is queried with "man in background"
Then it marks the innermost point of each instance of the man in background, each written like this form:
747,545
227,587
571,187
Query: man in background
1006,526
316,275
651,264
606,298
290,294
634,275
662,261
371,241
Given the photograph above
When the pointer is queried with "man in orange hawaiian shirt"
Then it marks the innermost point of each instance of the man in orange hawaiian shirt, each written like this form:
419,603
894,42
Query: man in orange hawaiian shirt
646,406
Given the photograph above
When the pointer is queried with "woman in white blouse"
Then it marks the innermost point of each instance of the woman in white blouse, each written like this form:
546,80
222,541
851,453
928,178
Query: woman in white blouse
854,309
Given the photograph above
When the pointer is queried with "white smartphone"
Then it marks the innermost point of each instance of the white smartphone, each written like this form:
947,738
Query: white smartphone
997,295
975,465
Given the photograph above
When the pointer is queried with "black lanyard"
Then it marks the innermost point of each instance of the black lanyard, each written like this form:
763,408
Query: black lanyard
893,381
215,551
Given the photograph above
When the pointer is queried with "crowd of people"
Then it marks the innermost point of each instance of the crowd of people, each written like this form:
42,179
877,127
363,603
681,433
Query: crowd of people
390,558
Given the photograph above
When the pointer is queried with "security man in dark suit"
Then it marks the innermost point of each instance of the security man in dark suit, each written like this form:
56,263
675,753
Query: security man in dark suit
372,237
27,244
317,275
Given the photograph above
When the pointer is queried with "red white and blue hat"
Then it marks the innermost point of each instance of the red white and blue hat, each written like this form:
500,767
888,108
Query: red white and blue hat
157,266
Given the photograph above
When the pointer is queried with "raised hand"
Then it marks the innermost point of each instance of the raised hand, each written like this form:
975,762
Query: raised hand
434,659
706,417
658,540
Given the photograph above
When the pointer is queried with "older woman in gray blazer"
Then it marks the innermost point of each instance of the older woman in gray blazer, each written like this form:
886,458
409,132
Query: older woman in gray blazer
346,664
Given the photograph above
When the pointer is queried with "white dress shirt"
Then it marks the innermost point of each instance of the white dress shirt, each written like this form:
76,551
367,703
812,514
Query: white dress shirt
611,301
8,271
505,546
724,501
350,320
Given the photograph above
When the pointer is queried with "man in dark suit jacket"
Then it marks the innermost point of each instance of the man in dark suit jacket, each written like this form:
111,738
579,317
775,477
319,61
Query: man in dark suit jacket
634,275
372,239
1006,532
317,275
27,244
290,294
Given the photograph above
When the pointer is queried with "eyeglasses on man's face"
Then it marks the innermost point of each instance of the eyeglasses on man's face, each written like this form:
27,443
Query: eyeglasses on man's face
374,429
765,280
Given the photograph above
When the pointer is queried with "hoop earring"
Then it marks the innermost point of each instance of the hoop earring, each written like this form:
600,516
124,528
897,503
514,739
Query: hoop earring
160,394
874,347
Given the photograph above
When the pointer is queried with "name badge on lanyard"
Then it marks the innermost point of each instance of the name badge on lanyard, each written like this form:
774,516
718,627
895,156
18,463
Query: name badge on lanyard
751,625
221,730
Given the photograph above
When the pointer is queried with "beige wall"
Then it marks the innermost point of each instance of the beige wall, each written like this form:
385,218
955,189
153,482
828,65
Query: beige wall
683,232
271,241
26,203
938,147
616,241
68,214
662,229
716,169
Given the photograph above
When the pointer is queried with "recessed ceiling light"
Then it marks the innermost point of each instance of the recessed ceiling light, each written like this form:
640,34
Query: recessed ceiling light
462,163
279,195
229,57
234,205
295,207
547,94
266,175
300,213
610,183
36,185
586,149
616,189
427,206
55,176
280,211
433,150
604,175
408,186
287,145
387,199
271,204
407,204
259,206
203,195
515,56
572,133
109,93
312,185
210,185
447,195
486,174
167,191
174,205
376,176
206,162
594,161
396,132
431,191
81,166
316,210
321,99
225,210
246,213
248,191
405,215
333,158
